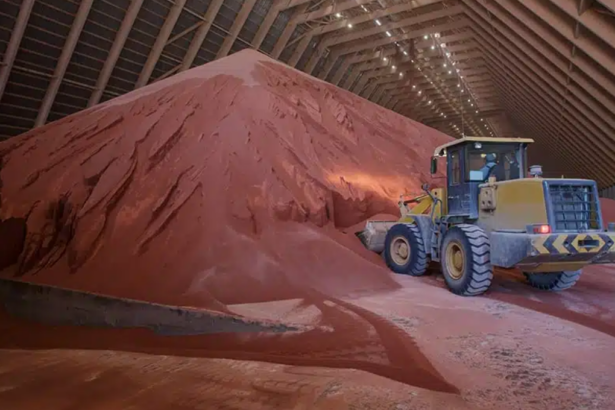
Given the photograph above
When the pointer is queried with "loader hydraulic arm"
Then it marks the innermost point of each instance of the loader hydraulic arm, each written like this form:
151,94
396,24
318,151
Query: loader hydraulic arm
436,201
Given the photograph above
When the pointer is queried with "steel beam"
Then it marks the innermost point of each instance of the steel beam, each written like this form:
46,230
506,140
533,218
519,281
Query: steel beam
341,50
370,16
542,56
184,32
592,49
447,39
13,46
337,7
537,116
265,26
63,61
240,20
114,53
288,32
199,36
161,40
407,22
457,24
545,88
518,69
289,4
595,22
303,44
341,71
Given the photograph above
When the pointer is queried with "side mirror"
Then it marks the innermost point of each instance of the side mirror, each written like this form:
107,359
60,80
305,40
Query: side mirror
434,165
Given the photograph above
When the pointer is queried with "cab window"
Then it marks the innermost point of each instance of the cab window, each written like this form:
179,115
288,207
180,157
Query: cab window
500,161
455,169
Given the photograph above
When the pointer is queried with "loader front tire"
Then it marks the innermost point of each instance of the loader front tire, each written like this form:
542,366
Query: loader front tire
465,259
553,281
404,250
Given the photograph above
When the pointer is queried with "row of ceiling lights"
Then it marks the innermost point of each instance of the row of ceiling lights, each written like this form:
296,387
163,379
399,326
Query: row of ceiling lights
447,56
461,83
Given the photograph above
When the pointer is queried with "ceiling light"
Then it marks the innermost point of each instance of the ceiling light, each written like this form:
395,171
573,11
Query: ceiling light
444,65
472,105
433,47
385,59
477,111
462,90
349,25
458,85
363,7
448,54
338,15
405,53
443,45
481,119
425,36
450,72
378,22
388,34
401,74
468,100
457,70
429,102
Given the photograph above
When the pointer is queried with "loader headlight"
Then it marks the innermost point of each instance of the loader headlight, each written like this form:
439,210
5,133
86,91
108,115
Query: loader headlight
478,145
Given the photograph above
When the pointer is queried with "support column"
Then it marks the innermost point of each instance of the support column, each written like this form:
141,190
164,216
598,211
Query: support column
199,36
161,40
288,32
63,61
328,66
13,46
116,49
240,20
341,71
299,50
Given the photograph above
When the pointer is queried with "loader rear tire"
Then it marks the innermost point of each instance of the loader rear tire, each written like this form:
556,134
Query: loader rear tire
404,250
466,262
553,281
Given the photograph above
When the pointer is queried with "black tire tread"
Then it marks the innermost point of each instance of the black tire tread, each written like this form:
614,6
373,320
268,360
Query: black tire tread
420,266
480,250
561,281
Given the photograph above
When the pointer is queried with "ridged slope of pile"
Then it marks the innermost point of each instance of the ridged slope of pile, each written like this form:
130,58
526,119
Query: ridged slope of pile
224,184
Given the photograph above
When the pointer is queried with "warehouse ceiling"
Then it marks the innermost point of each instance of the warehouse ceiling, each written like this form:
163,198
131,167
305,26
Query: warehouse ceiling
538,68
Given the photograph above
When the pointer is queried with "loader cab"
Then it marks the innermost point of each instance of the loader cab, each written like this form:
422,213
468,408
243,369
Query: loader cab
471,161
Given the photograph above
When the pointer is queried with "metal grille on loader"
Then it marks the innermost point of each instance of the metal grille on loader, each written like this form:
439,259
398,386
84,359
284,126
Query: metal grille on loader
574,206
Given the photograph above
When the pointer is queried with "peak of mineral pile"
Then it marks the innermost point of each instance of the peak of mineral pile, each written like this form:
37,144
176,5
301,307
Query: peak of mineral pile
225,184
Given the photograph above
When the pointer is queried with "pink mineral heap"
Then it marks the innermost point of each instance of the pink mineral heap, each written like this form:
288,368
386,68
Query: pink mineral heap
232,183
224,184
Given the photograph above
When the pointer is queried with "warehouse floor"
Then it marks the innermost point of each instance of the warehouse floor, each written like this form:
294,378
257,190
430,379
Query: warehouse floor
514,348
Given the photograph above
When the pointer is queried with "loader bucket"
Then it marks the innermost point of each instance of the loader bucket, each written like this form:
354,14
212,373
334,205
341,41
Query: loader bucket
374,235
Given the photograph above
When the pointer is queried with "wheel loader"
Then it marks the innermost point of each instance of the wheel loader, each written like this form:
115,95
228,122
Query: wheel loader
495,211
